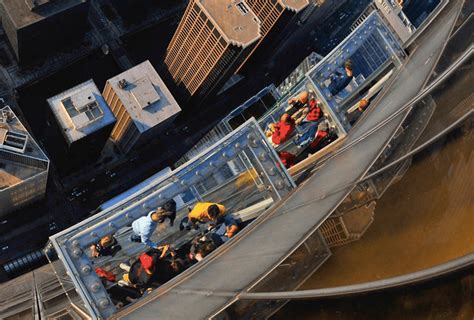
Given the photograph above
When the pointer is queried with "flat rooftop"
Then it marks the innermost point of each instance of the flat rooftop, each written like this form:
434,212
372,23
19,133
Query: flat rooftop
145,96
81,111
13,173
235,20
294,5
26,12
17,161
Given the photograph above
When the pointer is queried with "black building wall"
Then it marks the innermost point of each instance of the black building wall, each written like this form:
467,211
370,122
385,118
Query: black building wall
86,150
270,42
35,41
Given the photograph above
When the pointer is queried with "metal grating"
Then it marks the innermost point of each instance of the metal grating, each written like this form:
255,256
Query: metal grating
335,232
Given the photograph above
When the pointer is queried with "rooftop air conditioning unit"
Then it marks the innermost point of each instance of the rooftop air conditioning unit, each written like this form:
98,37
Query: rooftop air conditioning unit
122,84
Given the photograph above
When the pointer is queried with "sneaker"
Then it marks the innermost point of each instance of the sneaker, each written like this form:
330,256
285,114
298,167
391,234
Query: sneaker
122,283
124,267
134,238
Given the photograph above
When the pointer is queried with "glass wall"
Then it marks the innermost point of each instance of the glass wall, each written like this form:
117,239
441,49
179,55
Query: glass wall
344,76
241,172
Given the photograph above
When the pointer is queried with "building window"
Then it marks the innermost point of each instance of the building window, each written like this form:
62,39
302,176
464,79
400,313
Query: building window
242,6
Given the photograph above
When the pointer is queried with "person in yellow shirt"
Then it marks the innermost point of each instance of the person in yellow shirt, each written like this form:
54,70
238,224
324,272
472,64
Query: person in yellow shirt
215,213
205,212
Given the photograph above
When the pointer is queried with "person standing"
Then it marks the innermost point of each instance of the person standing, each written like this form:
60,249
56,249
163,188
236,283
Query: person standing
340,80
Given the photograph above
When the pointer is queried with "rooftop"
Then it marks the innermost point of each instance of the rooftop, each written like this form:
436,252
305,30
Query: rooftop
145,96
294,5
81,111
25,12
234,19
19,153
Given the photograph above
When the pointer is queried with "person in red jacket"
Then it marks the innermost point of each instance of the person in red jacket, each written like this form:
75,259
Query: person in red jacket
315,111
283,129
323,132
314,117
288,159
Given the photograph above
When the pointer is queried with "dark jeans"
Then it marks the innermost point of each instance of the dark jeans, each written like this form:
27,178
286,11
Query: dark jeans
308,136
219,237
186,224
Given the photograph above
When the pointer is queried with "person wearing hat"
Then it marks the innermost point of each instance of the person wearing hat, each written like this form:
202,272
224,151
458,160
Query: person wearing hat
151,269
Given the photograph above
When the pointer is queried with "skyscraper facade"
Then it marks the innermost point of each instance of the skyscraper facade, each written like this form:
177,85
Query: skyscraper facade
85,120
274,15
142,104
23,165
35,28
213,38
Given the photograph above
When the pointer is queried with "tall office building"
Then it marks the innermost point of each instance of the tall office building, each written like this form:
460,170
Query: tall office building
37,27
23,165
274,16
84,118
142,104
212,40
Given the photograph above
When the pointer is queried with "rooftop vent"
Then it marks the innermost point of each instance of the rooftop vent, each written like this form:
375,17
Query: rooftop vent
145,93
242,6
82,109
122,84
6,116
13,141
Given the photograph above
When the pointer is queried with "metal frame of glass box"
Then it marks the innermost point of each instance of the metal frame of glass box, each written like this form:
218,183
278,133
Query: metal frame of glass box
71,244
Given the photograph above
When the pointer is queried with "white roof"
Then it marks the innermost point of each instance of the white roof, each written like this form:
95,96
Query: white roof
145,96
81,110
15,139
